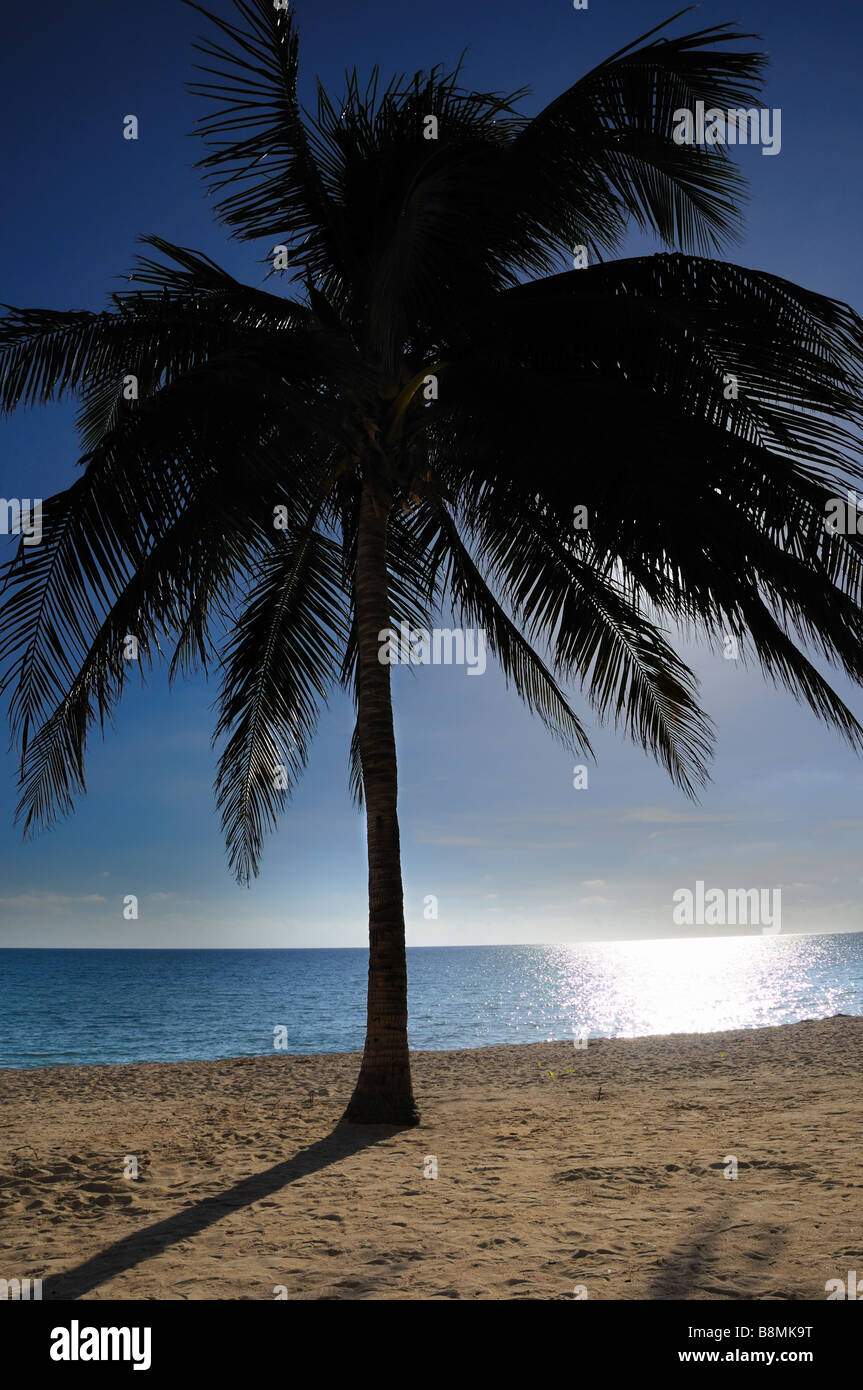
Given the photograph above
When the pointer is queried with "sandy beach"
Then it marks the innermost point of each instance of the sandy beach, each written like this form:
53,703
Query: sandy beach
557,1168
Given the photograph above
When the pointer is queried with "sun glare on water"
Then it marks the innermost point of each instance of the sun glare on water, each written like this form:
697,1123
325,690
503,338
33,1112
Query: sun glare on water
632,988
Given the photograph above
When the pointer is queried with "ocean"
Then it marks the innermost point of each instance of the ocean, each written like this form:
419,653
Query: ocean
77,1007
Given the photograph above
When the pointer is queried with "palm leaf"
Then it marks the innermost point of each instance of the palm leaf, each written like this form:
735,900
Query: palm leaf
278,666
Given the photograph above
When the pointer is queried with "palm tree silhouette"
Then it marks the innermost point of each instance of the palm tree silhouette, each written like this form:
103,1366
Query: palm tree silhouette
272,479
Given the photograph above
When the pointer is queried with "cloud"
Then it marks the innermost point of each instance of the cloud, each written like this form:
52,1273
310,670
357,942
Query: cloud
37,899
501,843
662,815
456,841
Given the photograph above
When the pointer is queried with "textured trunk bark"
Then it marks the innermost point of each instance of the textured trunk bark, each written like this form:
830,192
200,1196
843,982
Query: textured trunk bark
383,1093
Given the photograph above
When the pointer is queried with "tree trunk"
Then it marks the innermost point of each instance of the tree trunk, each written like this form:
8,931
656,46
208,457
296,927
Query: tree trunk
383,1093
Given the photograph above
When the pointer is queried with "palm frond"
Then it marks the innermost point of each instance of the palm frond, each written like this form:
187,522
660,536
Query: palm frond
257,118
598,637
355,770
278,666
602,154
471,599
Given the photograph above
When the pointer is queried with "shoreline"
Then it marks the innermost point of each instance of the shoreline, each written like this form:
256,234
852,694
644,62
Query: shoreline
414,1052
558,1168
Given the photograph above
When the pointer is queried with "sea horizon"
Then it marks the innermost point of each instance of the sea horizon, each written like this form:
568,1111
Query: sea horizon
462,945
151,1004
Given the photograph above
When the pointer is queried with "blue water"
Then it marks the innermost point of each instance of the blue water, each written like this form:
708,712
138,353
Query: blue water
74,1007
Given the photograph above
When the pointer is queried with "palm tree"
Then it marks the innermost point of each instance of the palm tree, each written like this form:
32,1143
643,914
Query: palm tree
272,479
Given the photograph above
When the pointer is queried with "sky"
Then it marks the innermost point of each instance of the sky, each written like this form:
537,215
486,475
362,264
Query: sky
491,824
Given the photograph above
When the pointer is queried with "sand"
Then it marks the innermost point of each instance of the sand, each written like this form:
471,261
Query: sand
608,1174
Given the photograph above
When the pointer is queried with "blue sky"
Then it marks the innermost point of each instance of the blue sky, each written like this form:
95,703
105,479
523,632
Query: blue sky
491,824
